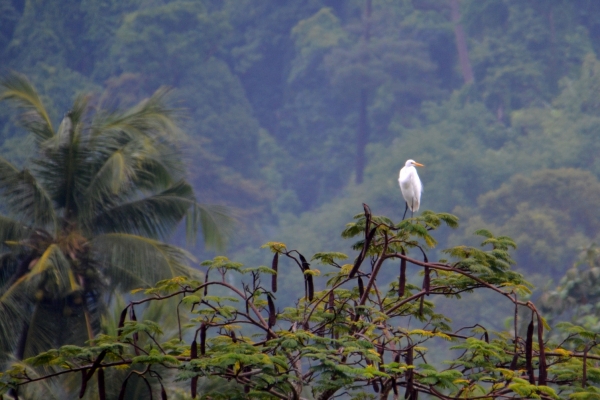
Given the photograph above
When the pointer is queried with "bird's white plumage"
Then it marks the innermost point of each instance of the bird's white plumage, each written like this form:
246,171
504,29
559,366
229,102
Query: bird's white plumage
410,185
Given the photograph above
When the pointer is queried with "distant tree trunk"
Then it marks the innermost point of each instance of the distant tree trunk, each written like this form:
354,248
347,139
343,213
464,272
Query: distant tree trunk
461,43
363,117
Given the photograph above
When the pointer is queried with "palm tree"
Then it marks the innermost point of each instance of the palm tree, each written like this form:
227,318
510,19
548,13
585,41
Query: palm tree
88,216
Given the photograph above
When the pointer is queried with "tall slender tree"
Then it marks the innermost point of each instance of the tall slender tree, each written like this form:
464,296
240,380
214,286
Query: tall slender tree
88,215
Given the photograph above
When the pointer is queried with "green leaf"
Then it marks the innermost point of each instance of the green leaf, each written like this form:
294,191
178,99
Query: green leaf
190,299
25,198
329,258
35,118
484,233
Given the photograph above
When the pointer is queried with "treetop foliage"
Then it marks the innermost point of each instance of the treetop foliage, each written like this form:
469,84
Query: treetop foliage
351,333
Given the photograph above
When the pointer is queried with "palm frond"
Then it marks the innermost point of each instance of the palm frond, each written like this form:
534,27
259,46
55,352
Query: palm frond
160,171
78,111
12,230
131,261
64,171
65,131
149,118
9,265
56,317
15,307
215,221
48,280
54,272
62,168
158,311
7,170
154,126
53,323
70,129
112,176
46,324
154,216
35,117
53,389
24,198
136,165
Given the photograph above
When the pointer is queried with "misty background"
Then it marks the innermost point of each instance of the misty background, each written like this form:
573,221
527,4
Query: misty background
297,112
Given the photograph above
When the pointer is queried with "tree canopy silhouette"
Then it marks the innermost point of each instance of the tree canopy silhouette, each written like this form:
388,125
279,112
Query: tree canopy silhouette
353,332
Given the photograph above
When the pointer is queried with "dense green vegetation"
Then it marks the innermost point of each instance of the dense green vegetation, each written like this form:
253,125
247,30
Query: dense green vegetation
349,335
290,104
297,112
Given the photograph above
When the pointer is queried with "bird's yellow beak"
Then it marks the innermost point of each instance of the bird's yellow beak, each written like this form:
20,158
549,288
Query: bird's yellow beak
418,165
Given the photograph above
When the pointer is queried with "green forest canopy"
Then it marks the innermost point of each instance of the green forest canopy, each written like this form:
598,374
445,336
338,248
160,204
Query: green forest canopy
279,94
290,103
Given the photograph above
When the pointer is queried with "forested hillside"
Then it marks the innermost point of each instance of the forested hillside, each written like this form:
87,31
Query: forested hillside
297,115
299,111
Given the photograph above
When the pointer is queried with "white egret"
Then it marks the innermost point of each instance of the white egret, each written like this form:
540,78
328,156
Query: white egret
410,185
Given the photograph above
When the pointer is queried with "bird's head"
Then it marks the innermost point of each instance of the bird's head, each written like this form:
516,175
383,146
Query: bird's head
412,163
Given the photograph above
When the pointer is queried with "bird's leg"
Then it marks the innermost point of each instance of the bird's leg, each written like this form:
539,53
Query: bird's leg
405,210
412,207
